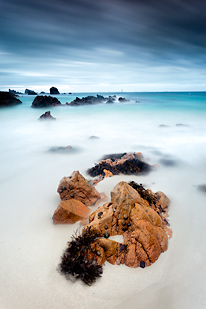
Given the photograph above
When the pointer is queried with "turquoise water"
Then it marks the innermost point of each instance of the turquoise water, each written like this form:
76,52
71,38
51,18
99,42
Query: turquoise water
29,175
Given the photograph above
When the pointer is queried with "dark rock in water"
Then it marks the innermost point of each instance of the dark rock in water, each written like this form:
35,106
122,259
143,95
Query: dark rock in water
111,99
87,100
47,115
163,126
8,99
42,92
30,92
115,164
202,188
168,162
93,137
14,92
62,149
122,100
181,125
45,101
54,90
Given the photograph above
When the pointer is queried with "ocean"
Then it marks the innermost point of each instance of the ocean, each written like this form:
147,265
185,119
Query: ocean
170,131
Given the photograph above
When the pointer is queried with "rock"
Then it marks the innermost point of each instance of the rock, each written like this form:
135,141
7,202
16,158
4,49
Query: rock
68,148
77,187
70,211
129,215
54,90
202,188
163,126
122,100
93,137
30,92
144,234
181,125
47,115
89,100
14,91
45,101
111,99
8,99
122,163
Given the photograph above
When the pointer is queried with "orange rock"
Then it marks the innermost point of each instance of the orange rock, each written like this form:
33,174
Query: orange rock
70,211
131,215
77,187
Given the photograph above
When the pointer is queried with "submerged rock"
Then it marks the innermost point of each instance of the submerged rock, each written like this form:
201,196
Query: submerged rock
139,219
8,99
46,116
70,211
77,187
54,90
122,163
63,149
202,188
45,101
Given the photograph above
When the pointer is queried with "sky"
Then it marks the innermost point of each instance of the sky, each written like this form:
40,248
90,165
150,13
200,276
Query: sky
101,46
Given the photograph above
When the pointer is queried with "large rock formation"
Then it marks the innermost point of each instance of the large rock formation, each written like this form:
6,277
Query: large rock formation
89,100
54,90
30,92
45,101
77,187
138,215
8,99
46,116
121,163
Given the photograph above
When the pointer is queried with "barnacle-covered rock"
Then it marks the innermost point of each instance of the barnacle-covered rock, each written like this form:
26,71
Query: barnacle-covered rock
132,216
77,187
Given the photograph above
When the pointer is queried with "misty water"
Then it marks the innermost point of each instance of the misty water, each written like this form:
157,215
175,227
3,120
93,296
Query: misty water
170,131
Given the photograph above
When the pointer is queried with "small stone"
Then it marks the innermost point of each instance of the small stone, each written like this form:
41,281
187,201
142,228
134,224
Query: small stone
123,222
106,227
128,224
72,195
125,217
106,235
98,253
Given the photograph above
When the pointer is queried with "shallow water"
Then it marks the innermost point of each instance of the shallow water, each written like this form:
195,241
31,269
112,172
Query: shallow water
31,246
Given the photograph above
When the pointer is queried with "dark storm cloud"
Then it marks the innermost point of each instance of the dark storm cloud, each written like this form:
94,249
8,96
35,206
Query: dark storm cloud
156,26
90,36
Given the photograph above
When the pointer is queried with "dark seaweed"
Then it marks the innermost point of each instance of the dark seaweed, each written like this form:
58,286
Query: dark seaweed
144,193
129,167
75,262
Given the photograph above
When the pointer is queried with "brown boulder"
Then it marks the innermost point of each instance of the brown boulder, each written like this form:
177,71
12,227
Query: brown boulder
77,187
131,215
70,211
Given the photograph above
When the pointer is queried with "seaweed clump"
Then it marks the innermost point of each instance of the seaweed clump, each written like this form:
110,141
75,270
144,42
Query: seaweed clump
75,261
144,193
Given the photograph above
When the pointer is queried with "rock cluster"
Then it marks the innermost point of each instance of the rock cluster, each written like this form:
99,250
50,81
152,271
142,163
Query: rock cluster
47,115
137,214
89,100
8,99
122,163
45,101
122,100
76,194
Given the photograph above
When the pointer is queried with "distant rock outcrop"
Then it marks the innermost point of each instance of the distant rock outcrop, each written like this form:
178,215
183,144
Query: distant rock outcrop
30,92
46,116
8,98
45,101
88,100
122,100
54,90
14,92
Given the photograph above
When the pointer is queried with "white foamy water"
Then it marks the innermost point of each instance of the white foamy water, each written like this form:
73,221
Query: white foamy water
31,246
